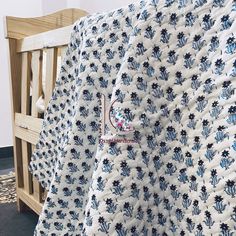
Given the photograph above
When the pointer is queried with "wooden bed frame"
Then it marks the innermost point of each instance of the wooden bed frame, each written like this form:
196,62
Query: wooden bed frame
28,38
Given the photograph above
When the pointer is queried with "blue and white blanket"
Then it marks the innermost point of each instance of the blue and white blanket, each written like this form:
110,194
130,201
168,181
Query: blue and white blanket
139,137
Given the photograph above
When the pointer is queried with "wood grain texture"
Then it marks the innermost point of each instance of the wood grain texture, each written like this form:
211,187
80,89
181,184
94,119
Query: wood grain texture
26,135
28,122
14,60
36,124
25,109
36,68
18,28
48,39
30,201
27,39
51,72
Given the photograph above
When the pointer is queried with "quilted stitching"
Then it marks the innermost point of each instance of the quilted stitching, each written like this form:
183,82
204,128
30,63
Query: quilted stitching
171,68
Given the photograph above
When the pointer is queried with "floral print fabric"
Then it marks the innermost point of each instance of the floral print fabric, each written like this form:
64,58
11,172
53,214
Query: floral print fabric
169,70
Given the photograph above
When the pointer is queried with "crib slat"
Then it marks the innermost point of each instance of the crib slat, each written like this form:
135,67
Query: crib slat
27,176
38,191
25,103
15,83
63,52
51,72
36,92
36,67
25,83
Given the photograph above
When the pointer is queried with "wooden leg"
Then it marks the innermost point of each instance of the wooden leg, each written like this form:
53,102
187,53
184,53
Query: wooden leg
21,206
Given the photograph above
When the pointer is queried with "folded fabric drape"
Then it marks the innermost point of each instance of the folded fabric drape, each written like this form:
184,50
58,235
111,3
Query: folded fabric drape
139,137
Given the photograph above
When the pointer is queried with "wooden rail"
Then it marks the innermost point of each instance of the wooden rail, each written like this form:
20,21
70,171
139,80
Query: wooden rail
31,41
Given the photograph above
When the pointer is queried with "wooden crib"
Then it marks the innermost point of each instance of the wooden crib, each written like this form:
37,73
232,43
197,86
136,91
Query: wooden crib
28,40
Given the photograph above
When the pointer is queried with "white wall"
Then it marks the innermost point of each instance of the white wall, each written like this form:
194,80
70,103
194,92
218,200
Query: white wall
50,6
98,5
22,8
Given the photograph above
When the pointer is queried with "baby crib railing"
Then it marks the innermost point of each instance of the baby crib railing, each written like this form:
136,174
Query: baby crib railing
31,41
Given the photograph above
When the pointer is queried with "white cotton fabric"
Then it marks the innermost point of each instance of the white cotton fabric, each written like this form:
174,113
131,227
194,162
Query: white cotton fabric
169,70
